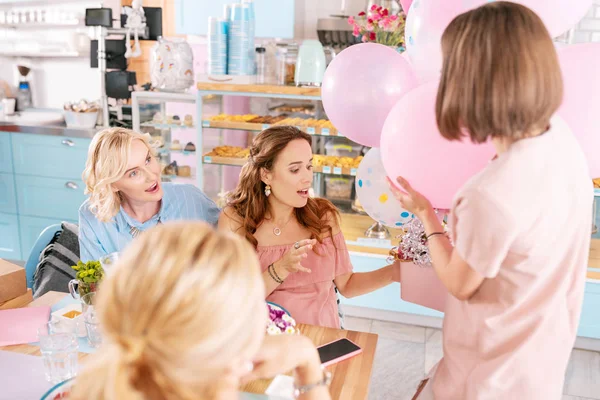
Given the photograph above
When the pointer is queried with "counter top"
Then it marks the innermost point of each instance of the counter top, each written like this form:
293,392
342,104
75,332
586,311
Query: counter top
48,130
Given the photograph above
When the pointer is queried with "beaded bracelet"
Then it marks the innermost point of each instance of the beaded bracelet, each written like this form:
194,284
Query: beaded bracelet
273,274
433,234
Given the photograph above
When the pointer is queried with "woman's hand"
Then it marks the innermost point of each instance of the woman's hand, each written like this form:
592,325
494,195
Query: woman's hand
411,200
283,353
292,258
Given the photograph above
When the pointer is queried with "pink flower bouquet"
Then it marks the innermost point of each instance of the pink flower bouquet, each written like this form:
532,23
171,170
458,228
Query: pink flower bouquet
379,26
280,321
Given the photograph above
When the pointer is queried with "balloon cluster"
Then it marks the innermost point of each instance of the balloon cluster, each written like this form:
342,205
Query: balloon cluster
380,98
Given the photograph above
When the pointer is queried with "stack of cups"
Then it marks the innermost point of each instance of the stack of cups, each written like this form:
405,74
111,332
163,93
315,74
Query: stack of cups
217,46
239,40
251,53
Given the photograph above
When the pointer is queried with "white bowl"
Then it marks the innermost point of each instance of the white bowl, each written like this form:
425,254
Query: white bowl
77,321
81,119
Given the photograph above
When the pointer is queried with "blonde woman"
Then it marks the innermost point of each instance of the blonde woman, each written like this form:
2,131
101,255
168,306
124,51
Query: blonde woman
122,178
176,330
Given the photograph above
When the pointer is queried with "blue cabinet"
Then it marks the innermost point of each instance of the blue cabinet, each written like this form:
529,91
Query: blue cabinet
49,197
589,325
5,153
50,156
40,185
274,18
8,199
10,244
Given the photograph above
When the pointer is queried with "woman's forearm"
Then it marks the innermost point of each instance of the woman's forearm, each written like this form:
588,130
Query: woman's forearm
270,283
360,283
439,246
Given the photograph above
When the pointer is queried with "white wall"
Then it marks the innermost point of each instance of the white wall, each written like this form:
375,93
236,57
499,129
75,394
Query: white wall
54,81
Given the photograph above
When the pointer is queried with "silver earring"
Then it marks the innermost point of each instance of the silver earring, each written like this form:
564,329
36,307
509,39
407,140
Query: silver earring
267,190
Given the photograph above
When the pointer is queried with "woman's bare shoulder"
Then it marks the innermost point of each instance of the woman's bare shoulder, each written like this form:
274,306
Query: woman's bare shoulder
230,220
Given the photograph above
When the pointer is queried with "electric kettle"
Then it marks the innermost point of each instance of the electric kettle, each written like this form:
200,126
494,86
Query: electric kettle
311,64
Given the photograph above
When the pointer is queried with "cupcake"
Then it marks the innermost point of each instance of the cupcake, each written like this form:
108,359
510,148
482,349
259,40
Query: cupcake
157,118
175,145
188,120
190,147
176,120
184,171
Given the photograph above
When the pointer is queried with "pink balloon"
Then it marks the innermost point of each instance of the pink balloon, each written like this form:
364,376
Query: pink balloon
581,103
405,5
360,87
558,15
425,24
412,147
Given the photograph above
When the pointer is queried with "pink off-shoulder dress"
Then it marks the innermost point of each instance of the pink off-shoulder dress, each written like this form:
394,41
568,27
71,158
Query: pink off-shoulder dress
310,297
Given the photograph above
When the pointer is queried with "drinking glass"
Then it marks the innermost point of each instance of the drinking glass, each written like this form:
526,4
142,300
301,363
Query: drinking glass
87,301
92,325
59,346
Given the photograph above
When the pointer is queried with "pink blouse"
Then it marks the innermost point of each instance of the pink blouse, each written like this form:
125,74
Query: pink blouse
310,297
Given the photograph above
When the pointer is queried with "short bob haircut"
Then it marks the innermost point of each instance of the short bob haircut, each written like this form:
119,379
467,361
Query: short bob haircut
107,160
500,77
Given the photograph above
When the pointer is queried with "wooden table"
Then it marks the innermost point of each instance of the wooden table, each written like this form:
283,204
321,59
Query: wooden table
350,378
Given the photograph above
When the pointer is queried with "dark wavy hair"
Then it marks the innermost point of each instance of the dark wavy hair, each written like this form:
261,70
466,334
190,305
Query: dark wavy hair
249,201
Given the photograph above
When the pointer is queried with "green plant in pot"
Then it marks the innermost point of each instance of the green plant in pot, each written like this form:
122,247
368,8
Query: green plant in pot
87,278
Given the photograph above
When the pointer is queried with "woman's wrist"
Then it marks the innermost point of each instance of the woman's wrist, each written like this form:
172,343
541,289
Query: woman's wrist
430,221
280,270
310,371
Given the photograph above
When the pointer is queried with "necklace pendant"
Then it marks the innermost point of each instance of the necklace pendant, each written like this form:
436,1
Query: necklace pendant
276,231
134,232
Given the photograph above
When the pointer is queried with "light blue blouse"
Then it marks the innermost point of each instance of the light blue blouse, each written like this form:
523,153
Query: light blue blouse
180,202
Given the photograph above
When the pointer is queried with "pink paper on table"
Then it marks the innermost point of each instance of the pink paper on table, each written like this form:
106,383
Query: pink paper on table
20,325
420,285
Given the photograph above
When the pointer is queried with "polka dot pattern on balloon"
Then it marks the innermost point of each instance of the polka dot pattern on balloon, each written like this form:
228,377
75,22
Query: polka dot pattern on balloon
373,192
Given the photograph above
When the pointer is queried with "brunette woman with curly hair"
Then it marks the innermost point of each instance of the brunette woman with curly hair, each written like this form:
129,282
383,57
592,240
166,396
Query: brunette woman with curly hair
298,239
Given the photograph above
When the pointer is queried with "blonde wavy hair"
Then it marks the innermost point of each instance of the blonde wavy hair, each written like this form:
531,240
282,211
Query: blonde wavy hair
180,305
107,160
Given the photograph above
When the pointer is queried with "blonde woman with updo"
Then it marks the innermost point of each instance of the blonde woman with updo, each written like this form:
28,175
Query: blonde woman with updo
176,330
126,196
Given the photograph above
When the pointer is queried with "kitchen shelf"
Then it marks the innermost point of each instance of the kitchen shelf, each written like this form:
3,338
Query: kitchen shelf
248,126
43,54
235,161
167,150
166,126
41,25
283,92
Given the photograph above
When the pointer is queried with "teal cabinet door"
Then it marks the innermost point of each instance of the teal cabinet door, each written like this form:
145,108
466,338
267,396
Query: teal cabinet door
387,298
8,199
49,197
10,243
51,156
589,324
30,228
5,153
